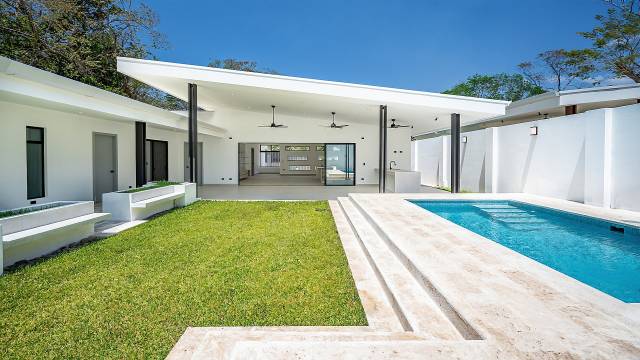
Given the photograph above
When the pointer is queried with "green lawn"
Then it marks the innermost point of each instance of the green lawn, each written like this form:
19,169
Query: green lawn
209,264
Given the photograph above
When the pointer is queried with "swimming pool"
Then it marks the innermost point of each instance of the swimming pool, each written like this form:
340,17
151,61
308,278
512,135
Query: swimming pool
602,254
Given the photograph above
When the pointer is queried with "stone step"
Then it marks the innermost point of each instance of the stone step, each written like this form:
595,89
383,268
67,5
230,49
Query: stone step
378,309
463,328
414,307
224,342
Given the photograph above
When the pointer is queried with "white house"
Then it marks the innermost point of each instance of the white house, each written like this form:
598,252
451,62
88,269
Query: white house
64,140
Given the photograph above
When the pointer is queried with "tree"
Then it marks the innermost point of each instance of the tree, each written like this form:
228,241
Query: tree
240,65
559,69
81,40
616,40
510,87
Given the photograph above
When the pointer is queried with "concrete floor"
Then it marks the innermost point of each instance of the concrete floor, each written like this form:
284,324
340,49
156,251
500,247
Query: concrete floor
280,192
281,180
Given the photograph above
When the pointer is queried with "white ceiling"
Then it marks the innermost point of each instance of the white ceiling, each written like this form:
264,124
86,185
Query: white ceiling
308,98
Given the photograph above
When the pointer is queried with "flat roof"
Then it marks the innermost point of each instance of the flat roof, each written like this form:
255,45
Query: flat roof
25,84
221,88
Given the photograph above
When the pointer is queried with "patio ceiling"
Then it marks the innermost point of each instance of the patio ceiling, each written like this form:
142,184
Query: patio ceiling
219,88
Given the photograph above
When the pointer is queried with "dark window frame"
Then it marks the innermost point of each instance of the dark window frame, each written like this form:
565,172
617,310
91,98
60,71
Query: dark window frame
42,153
270,155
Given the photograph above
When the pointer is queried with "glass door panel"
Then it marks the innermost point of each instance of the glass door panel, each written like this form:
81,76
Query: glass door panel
340,160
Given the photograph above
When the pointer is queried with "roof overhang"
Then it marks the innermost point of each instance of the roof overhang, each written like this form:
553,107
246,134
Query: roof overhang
24,84
220,88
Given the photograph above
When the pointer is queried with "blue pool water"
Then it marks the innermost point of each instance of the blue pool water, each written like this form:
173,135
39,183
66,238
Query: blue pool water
584,248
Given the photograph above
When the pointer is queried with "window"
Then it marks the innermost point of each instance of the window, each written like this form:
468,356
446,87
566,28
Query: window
269,155
297,158
299,167
297,148
35,162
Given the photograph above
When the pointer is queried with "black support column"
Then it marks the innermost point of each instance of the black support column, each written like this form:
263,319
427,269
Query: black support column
455,153
193,133
382,166
141,138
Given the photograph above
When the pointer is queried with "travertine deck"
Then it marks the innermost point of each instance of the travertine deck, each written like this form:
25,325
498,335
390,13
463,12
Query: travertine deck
483,300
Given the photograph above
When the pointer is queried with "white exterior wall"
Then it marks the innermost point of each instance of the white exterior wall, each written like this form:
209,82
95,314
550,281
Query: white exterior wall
549,164
625,158
591,157
429,161
68,153
472,161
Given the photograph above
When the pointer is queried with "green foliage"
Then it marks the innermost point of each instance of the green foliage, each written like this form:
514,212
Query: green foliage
240,65
212,263
559,69
154,185
510,87
616,40
81,40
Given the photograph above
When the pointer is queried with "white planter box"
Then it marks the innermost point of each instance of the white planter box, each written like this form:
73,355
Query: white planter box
33,234
139,205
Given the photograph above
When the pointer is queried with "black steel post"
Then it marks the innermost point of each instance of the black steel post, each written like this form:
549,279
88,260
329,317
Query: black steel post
382,166
193,133
141,138
455,153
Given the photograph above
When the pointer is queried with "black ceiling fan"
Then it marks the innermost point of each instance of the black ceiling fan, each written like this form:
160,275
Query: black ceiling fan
396,126
273,120
333,123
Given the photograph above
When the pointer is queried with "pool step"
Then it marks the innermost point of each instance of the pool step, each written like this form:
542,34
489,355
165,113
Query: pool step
512,216
415,309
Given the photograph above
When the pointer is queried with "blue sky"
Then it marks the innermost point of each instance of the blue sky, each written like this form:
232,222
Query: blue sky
425,45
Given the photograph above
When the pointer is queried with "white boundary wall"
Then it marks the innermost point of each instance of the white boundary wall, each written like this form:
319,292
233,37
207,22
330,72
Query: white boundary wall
591,157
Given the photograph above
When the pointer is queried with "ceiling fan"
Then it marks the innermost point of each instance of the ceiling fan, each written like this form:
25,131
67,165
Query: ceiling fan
333,123
273,120
396,126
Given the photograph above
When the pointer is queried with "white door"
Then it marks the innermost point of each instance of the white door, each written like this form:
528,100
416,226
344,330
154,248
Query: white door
105,176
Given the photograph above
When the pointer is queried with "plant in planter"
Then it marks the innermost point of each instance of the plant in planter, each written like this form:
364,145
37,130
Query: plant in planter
140,203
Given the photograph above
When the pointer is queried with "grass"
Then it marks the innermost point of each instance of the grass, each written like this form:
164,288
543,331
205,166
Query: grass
154,185
208,264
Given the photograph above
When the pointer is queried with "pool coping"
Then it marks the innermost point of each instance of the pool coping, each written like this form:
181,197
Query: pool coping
514,291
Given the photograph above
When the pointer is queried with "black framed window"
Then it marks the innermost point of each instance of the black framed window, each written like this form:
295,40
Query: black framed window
35,162
269,155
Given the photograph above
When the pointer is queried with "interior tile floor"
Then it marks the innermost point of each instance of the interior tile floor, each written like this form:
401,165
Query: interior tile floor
281,180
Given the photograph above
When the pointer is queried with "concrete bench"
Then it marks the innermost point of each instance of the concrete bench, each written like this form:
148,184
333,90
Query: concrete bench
37,233
130,206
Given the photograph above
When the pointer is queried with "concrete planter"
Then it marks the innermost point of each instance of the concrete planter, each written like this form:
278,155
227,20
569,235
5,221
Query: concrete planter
44,230
139,205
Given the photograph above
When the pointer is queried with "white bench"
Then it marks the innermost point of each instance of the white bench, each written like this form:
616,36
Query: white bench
131,206
34,234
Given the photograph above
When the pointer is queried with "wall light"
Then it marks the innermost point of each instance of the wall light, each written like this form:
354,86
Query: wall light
464,139
533,130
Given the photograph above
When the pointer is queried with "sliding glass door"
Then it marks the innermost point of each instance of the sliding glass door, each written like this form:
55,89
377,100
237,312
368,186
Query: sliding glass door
340,164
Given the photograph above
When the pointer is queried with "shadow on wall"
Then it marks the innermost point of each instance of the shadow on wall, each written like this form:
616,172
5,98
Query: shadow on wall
576,188
527,163
481,181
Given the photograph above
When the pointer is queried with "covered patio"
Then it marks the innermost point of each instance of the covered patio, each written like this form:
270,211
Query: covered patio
255,108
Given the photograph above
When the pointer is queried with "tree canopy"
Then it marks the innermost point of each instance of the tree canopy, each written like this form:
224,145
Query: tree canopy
240,65
510,87
81,39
